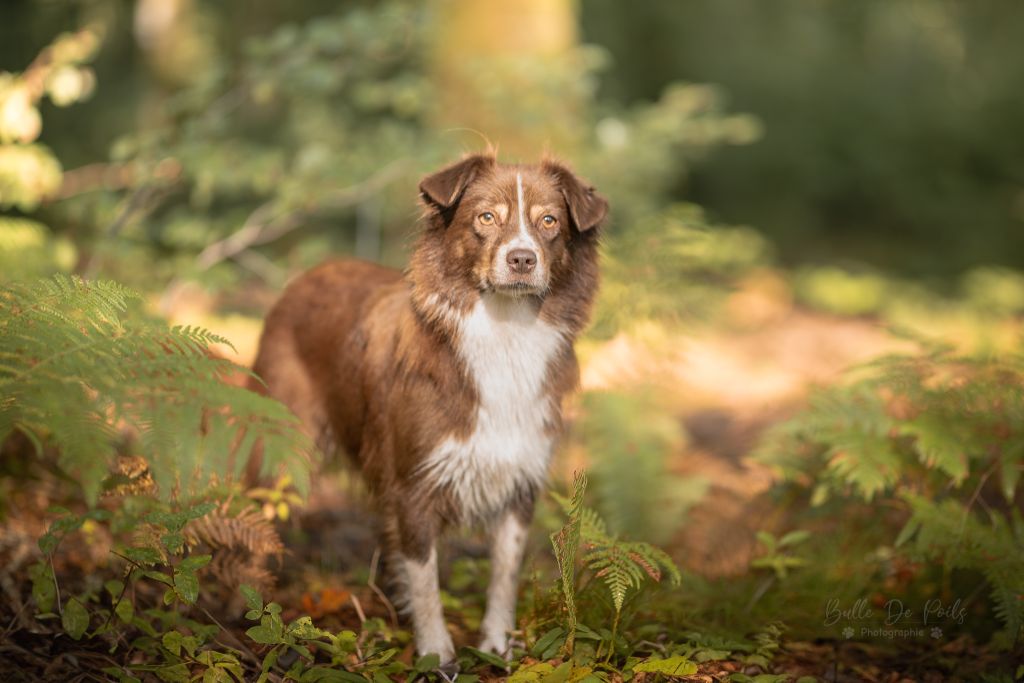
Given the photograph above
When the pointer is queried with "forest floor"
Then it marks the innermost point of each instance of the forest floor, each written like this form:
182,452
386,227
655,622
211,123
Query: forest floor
726,383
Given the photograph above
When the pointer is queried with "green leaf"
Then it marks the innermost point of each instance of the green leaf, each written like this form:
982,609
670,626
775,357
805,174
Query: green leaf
253,599
44,592
759,678
561,673
162,577
866,460
172,641
48,543
125,610
711,655
794,537
488,657
939,444
265,633
173,541
427,663
672,666
531,673
546,641
270,659
143,556
174,673
767,540
1011,468
186,586
323,674
304,629
216,675
75,618
907,532
195,562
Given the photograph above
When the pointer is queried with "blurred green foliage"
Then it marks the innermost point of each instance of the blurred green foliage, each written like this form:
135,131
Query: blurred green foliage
305,141
86,374
236,145
938,439
631,442
893,127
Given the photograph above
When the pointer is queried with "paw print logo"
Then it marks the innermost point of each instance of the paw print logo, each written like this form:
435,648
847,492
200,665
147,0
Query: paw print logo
847,633
936,633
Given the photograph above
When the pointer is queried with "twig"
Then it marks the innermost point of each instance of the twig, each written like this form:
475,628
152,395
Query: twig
974,498
135,202
113,609
53,573
762,588
359,608
15,618
92,177
261,265
249,654
371,581
251,230
260,228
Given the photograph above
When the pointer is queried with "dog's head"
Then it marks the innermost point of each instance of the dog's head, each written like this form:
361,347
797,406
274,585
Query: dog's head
506,228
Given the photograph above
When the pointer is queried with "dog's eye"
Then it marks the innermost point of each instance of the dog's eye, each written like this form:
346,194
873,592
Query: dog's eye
486,218
549,221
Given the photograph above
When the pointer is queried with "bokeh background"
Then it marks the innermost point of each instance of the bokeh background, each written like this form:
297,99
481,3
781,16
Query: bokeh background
797,188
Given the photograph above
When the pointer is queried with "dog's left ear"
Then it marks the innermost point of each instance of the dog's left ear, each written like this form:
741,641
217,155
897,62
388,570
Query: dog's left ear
443,189
586,208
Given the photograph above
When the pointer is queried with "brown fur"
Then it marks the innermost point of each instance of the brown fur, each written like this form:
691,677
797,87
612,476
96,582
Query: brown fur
367,357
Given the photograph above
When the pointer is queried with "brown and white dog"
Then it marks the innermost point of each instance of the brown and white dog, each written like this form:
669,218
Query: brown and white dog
444,384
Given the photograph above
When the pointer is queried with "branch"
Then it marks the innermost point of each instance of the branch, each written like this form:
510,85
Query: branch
261,227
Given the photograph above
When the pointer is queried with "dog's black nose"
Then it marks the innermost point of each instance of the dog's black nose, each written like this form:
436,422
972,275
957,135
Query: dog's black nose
522,261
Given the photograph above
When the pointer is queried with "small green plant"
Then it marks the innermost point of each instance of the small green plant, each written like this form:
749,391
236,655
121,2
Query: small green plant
620,565
300,637
776,552
156,609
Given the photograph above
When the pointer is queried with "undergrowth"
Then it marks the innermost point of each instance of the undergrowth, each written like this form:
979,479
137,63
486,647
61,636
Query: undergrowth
84,374
936,440
143,423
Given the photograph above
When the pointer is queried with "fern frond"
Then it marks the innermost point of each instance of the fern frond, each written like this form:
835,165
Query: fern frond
566,542
947,532
80,368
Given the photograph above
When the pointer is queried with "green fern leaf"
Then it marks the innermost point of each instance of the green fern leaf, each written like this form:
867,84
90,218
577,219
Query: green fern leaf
81,369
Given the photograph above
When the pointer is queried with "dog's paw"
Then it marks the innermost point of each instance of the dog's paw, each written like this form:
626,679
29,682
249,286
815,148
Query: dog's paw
442,647
495,643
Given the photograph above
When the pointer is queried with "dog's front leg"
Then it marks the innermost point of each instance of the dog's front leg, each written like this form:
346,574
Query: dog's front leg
508,539
417,564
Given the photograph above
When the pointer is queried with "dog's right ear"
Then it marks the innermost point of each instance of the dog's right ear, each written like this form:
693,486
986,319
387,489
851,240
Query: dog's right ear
443,189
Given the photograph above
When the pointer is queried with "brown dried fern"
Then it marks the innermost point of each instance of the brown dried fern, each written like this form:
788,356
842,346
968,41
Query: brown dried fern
240,545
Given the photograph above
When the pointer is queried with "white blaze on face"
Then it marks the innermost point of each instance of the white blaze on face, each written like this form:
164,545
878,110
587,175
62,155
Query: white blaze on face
521,240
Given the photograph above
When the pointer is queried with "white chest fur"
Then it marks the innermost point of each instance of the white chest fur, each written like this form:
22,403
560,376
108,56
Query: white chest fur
507,350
